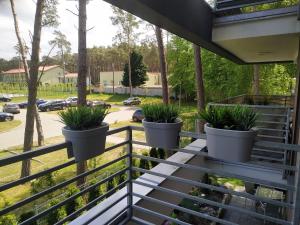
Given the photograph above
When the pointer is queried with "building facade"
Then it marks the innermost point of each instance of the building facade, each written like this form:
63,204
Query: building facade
50,75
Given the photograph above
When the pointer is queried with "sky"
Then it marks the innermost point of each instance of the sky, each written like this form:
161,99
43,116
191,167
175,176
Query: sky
99,13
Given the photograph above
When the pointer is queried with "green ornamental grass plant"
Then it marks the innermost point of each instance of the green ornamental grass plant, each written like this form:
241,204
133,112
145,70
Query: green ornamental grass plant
83,118
160,113
239,118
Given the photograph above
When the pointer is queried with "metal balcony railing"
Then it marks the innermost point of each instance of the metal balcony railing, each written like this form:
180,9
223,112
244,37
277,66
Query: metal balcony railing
167,184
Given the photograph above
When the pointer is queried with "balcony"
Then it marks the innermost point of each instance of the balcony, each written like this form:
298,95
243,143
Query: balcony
176,190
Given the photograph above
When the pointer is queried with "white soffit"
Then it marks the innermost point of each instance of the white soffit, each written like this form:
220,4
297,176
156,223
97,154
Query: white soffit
260,40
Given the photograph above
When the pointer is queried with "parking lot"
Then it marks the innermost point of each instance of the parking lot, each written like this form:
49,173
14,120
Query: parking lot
52,126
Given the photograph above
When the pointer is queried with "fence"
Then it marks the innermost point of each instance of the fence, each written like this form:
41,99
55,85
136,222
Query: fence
130,200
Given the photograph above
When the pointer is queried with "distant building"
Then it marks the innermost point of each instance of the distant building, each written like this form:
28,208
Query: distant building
71,78
50,75
108,79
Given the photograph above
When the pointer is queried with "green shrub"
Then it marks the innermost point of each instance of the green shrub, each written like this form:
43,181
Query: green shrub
161,153
75,204
153,154
83,118
160,113
95,192
42,183
144,164
56,215
232,118
27,215
8,220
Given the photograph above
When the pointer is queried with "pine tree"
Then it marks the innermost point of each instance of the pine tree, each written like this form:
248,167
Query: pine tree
138,71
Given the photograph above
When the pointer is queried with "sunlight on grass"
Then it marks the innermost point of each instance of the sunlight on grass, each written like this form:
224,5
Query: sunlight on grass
6,126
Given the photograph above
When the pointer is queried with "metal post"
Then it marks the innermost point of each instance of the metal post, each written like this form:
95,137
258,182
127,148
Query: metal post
296,215
129,173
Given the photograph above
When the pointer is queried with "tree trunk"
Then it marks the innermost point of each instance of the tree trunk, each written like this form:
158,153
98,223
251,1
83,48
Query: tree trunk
39,128
129,73
199,84
82,54
256,79
163,65
32,85
82,73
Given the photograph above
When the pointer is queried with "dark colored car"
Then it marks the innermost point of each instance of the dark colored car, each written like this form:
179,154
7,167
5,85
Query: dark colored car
99,103
11,108
23,105
132,101
6,116
4,99
72,101
53,105
138,116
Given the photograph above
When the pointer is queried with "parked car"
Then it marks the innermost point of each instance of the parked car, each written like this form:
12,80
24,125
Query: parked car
72,101
132,101
138,116
23,105
6,116
11,108
53,105
4,99
99,103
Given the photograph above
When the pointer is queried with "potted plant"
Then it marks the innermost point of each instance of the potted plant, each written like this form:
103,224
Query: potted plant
162,125
86,130
229,131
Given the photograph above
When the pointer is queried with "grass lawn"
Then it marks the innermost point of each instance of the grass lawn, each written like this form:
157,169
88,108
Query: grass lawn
12,172
6,126
137,135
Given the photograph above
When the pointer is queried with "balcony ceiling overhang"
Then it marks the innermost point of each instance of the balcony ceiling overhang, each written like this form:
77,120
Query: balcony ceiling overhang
273,38
247,38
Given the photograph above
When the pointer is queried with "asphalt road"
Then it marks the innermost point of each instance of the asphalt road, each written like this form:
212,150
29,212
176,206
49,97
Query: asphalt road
52,126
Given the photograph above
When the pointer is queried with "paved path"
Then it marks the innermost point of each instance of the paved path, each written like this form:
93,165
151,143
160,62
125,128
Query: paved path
52,126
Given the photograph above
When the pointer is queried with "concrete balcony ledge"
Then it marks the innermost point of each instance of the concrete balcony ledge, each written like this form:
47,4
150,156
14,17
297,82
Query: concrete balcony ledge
142,190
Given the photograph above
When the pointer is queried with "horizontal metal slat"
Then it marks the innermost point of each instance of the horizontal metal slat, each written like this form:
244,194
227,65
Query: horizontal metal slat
216,188
213,203
189,211
219,172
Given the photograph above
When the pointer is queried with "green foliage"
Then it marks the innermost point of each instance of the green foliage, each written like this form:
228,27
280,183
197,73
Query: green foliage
110,185
233,118
75,204
8,220
144,164
56,215
138,71
27,215
160,113
95,192
154,154
83,118
161,153
135,163
42,183
223,78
